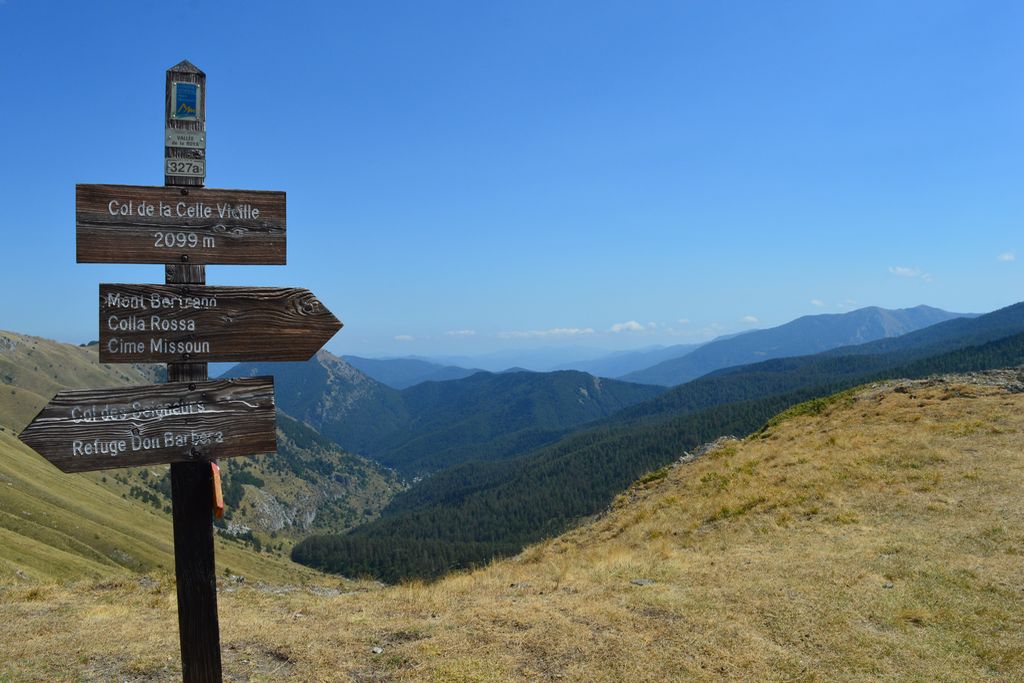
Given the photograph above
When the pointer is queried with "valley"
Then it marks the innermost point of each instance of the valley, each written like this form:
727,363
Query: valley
464,515
434,425
873,534
552,507
447,475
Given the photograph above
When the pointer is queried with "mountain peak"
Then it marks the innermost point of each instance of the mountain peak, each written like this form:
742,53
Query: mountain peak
808,334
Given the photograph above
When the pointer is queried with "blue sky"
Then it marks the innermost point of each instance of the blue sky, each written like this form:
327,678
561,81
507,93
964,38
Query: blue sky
467,177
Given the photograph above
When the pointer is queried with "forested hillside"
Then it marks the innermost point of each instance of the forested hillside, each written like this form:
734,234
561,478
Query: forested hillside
333,398
435,425
496,507
493,416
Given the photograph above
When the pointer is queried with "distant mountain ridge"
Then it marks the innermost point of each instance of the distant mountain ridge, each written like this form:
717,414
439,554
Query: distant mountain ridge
806,335
402,373
542,359
433,425
334,398
490,416
621,363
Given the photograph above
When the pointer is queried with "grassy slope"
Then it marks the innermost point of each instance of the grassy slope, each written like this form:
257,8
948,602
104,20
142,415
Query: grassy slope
56,526
310,483
874,536
32,370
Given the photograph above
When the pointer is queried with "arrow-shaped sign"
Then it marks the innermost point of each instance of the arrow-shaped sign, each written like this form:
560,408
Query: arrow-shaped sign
99,429
174,323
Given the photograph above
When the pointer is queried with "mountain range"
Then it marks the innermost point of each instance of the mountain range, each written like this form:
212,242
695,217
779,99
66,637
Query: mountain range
500,459
806,335
669,365
434,425
402,373
621,363
482,509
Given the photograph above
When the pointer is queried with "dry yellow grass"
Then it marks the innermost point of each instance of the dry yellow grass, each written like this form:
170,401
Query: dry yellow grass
880,538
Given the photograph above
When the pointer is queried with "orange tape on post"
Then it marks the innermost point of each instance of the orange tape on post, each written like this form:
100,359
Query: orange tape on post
218,493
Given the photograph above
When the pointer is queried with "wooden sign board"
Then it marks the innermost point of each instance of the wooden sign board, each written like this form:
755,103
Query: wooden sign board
98,429
143,224
194,323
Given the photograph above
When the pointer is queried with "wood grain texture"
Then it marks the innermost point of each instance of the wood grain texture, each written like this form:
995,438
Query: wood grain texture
168,323
185,72
184,274
192,510
222,227
192,482
99,429
195,572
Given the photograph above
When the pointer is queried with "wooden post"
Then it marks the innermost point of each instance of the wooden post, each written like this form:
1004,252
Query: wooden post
191,483
185,126
175,225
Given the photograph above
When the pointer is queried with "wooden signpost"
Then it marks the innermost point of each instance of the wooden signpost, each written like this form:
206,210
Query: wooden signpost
165,323
99,429
138,224
190,421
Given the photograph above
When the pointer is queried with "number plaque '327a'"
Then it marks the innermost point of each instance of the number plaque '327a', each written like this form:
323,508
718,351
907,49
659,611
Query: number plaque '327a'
140,224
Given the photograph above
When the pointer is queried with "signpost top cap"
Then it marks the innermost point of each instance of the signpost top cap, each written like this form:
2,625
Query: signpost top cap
186,67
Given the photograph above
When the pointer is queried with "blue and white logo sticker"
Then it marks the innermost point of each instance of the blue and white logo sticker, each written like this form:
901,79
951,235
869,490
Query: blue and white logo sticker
185,101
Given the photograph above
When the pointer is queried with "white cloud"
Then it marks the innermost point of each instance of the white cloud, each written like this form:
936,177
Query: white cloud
817,302
750,319
554,332
632,326
628,326
1008,256
460,333
903,271
684,321
404,338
